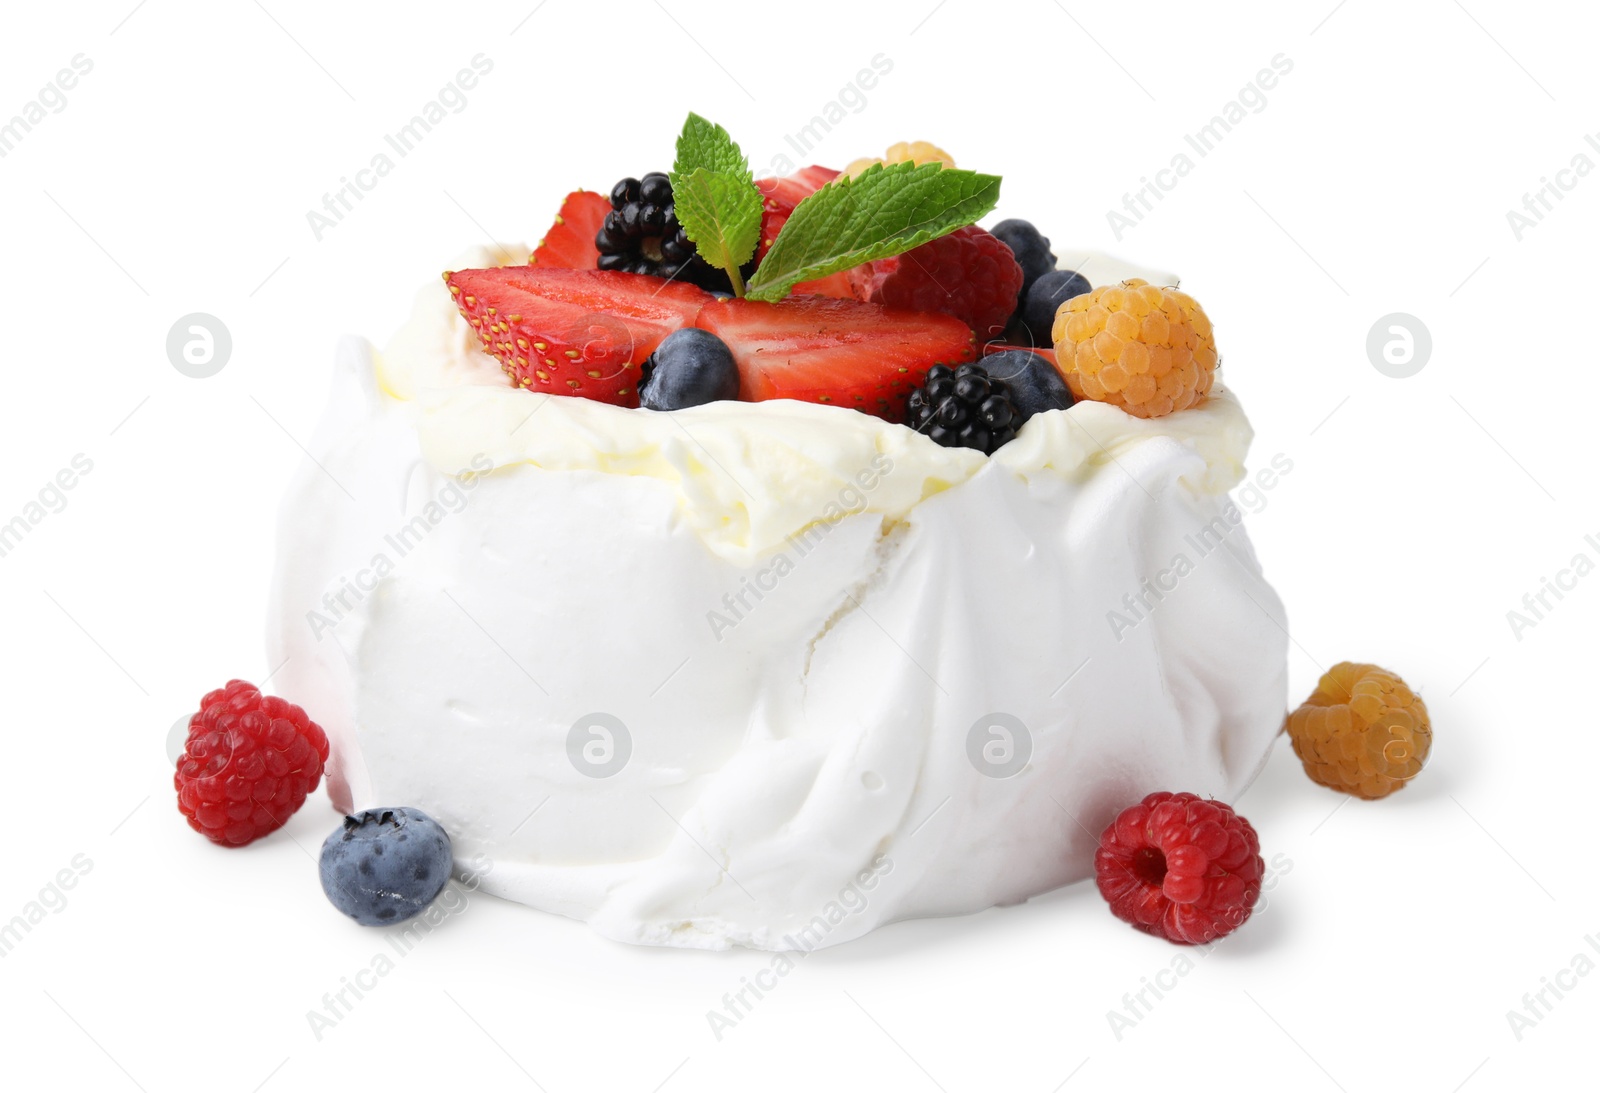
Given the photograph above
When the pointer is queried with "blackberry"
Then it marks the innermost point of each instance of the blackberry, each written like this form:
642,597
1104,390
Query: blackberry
964,408
641,234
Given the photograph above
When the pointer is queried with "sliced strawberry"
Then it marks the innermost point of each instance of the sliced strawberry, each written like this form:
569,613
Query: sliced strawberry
569,244
842,352
835,284
779,196
578,332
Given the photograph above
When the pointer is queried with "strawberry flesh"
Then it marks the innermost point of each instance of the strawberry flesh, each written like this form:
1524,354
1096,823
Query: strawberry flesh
847,353
581,332
779,196
569,244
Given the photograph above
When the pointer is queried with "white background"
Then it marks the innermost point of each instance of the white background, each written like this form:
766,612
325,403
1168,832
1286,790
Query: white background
1377,179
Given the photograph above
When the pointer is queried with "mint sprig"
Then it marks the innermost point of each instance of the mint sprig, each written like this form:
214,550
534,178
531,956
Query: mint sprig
715,197
885,211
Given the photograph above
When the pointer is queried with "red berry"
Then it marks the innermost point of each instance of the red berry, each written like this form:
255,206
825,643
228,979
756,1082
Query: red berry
839,352
573,331
779,196
1180,867
249,764
569,244
969,274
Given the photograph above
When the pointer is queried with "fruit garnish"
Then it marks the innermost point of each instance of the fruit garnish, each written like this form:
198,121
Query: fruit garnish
1033,383
964,408
569,244
779,196
1362,731
691,367
916,151
1145,349
1181,868
886,211
969,274
248,764
881,213
573,331
640,233
385,865
717,200
1044,351
845,353
1031,250
1043,299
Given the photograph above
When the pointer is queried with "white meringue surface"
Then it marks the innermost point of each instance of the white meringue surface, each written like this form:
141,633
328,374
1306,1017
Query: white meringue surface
766,675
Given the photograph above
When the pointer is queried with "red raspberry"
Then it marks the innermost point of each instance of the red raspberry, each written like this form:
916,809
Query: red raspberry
1180,867
249,764
969,274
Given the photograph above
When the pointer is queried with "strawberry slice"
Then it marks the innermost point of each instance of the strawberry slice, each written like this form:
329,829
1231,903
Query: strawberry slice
779,196
569,244
581,332
841,352
835,284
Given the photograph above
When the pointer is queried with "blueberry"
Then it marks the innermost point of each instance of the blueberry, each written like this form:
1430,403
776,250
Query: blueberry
385,865
1032,250
1039,306
690,368
1032,382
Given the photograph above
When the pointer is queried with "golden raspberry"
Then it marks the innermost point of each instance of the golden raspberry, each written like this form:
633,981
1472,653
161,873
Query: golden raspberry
916,151
1362,731
1145,349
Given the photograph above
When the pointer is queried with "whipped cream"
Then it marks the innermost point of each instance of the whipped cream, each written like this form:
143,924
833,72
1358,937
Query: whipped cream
763,675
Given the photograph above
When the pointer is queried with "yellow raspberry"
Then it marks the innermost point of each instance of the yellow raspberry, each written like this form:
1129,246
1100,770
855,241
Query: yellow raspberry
1362,731
1145,349
916,151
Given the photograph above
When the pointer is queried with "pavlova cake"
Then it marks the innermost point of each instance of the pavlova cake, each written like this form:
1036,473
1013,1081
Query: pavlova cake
760,562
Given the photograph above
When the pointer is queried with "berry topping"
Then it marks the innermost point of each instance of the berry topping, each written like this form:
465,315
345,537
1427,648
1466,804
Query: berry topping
1148,350
385,865
690,368
248,765
1031,249
641,234
779,196
916,151
969,274
1362,731
1032,381
569,244
964,408
573,331
1181,868
839,352
1044,298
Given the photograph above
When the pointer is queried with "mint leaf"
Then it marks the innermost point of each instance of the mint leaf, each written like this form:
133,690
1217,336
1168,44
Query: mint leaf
883,212
722,215
706,144
715,197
